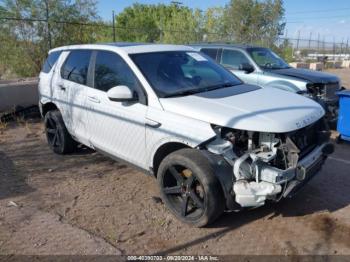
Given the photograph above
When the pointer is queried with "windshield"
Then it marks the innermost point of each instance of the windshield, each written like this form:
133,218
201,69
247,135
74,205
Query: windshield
267,59
182,73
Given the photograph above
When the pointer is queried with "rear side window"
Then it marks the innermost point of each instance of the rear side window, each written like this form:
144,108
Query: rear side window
50,61
212,52
76,66
111,71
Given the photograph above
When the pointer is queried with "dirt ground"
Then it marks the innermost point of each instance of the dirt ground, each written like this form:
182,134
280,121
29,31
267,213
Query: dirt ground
85,203
344,75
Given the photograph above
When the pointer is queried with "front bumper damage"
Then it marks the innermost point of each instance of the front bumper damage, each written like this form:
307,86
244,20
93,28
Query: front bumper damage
252,178
276,183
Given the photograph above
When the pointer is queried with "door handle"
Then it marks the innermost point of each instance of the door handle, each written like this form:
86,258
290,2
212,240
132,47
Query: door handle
94,99
62,87
152,123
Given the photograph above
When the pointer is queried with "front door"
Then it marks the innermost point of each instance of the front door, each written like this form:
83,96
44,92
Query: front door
232,59
116,128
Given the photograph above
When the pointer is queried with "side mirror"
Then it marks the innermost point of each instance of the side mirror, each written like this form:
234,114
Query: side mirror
121,94
246,67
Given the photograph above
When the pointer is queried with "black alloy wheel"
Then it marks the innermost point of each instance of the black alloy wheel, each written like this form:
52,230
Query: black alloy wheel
189,187
58,137
184,191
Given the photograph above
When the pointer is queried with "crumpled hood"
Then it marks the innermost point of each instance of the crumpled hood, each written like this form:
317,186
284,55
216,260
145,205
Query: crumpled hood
308,75
263,110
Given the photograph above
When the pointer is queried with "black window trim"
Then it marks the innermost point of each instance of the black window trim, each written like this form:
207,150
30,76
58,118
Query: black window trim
66,59
47,60
91,74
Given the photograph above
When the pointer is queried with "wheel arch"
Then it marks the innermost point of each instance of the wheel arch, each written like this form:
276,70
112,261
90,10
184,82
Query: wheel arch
163,151
48,107
283,85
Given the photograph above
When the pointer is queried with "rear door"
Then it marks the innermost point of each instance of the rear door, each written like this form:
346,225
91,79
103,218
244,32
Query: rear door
72,87
116,128
46,75
232,59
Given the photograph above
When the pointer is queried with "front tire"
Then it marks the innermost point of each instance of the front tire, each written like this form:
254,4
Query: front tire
58,138
189,187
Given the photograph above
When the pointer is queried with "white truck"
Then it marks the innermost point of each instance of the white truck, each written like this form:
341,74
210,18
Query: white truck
212,142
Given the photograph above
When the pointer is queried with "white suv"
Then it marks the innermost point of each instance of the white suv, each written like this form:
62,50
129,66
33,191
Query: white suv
213,143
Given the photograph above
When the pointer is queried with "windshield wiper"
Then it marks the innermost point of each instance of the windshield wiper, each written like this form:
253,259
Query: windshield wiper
278,68
223,85
182,93
195,91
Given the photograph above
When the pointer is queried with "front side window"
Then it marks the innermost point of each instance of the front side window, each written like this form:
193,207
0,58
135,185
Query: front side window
233,59
111,71
76,67
50,61
267,59
179,73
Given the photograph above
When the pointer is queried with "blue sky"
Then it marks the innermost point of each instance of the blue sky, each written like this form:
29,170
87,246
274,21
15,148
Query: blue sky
329,18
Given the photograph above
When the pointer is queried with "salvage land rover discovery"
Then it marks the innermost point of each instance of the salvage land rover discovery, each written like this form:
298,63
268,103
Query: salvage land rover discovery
213,143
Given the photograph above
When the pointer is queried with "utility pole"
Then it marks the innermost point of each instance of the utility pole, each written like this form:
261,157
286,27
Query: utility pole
297,44
341,48
310,40
298,40
113,23
47,23
333,48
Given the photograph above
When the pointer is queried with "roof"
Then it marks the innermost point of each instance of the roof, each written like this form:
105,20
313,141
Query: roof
227,45
130,48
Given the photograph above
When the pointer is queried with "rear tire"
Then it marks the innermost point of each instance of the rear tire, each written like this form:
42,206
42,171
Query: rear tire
58,137
189,187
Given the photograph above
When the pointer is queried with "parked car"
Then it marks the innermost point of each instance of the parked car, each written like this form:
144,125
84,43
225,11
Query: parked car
212,142
261,66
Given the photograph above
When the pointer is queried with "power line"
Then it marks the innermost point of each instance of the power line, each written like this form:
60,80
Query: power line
319,11
23,19
100,24
54,21
316,18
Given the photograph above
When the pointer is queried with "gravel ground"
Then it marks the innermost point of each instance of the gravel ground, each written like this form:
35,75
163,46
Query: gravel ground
85,203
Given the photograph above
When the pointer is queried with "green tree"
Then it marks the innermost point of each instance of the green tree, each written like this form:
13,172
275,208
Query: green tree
253,21
158,23
138,23
285,50
26,42
183,25
213,24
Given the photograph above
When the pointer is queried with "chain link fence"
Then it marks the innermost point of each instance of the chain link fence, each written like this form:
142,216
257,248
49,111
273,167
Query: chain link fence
58,33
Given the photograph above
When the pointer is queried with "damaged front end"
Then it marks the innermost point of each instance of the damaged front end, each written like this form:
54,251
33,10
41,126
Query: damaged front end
325,95
254,167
